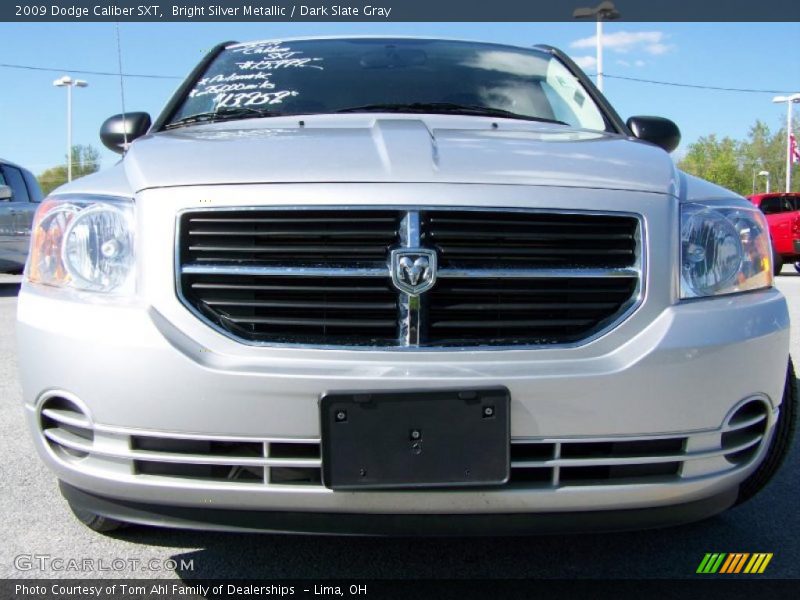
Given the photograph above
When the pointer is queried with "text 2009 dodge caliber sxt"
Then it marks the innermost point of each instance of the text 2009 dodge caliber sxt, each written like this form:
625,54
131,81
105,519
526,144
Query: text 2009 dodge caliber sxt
403,286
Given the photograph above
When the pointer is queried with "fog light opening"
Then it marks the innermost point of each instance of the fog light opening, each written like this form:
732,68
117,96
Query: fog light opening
66,427
745,432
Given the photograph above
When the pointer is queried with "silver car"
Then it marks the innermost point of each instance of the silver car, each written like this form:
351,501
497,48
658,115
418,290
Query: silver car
19,197
403,286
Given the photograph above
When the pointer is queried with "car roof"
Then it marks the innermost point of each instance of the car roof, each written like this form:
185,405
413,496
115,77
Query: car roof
3,161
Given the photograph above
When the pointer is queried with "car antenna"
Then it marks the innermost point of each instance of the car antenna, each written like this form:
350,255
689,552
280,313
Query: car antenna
122,92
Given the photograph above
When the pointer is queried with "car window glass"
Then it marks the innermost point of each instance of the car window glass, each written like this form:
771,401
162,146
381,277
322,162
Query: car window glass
569,100
771,206
326,76
792,203
17,183
34,191
2,179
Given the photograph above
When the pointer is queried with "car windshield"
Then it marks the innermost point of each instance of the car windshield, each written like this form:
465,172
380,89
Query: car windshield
274,78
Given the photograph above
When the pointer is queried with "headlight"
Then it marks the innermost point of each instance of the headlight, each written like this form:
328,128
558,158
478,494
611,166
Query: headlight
83,243
724,249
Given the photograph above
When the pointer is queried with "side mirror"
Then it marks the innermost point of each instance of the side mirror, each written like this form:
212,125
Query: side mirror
116,130
656,130
6,193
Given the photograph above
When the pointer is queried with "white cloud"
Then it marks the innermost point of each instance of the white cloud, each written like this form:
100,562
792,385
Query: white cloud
626,63
658,48
651,42
585,62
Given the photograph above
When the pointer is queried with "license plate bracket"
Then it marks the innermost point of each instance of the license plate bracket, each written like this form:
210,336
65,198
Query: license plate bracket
415,439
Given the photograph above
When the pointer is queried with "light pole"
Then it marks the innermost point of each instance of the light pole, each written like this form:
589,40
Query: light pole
605,11
789,101
765,174
68,82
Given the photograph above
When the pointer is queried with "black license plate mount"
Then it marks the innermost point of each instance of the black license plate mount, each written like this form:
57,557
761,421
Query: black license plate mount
415,439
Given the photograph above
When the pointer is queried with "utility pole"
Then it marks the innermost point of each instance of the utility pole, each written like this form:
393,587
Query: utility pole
68,82
605,11
790,100
765,174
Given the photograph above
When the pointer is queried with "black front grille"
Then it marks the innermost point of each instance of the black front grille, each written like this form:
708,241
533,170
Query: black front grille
504,311
289,237
531,240
322,276
311,310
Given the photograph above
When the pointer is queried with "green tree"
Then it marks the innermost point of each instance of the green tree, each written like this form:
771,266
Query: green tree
734,164
85,160
717,160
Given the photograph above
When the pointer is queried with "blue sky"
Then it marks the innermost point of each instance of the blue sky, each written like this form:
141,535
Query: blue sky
739,55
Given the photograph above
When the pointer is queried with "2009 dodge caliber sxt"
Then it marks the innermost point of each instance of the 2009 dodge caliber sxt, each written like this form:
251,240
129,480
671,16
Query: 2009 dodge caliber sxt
401,286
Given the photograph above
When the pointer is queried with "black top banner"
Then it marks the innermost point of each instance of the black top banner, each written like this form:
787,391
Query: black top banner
400,10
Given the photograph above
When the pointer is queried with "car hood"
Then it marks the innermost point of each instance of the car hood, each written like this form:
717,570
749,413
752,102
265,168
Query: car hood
396,148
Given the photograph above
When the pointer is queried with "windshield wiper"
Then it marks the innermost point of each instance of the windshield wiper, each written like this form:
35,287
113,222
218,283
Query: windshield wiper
447,108
241,112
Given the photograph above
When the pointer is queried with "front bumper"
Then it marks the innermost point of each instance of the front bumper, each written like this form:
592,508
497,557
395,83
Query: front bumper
136,375
397,525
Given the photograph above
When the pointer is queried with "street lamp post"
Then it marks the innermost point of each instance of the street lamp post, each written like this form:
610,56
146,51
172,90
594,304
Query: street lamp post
789,101
69,83
605,11
765,174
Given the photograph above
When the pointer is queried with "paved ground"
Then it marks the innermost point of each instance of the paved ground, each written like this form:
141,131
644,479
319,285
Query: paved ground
36,521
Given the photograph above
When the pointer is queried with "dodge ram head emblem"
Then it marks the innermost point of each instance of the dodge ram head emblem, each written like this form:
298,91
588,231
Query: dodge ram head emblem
413,270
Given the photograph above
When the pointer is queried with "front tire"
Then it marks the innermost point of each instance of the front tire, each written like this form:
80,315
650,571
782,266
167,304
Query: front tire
95,522
781,441
777,263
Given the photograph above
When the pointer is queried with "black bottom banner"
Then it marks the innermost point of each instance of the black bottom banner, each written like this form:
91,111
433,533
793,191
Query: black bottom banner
550,589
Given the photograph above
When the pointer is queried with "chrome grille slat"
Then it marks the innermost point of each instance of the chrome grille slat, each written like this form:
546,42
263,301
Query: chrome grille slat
549,323
68,440
527,306
304,219
279,304
744,424
282,271
480,235
352,250
519,253
540,273
291,233
255,274
67,417
326,322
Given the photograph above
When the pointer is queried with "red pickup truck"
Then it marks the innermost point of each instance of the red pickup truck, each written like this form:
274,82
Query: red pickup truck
783,215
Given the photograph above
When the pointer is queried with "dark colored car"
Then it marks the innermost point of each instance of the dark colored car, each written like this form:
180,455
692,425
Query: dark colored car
783,215
19,197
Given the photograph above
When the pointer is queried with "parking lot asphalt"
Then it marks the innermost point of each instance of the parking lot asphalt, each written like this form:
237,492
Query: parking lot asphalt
36,521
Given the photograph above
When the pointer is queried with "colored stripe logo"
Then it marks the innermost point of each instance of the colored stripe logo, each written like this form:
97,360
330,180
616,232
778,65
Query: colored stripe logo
734,563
